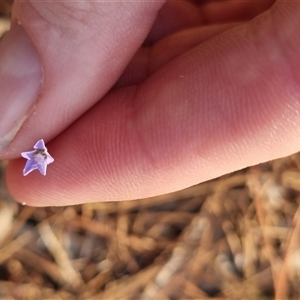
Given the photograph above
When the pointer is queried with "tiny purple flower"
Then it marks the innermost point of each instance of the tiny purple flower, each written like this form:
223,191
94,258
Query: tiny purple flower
37,159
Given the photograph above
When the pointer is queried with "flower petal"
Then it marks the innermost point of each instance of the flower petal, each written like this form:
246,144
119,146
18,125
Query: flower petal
29,167
40,145
42,168
50,159
28,154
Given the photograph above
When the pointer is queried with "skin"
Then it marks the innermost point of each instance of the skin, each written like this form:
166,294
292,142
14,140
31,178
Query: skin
196,89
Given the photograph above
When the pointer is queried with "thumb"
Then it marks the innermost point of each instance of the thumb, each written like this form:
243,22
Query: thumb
60,58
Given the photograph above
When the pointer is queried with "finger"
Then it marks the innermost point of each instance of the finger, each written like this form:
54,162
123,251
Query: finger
59,59
174,16
213,12
178,15
167,41
149,59
211,111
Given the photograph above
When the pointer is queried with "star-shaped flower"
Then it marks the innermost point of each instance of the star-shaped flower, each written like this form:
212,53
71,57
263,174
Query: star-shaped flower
37,159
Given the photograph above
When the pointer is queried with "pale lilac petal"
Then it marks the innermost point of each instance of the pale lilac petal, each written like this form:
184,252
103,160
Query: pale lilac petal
50,159
29,167
28,154
42,168
40,145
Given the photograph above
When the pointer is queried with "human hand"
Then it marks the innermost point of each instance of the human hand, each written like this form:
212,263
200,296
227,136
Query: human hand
210,92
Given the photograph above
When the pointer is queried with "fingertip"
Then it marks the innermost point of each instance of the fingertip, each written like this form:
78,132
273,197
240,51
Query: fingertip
44,52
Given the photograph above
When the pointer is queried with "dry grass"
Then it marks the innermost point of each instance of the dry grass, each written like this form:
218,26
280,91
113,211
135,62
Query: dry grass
236,237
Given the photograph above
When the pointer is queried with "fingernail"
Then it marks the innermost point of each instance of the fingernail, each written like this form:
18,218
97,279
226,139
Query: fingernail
20,80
